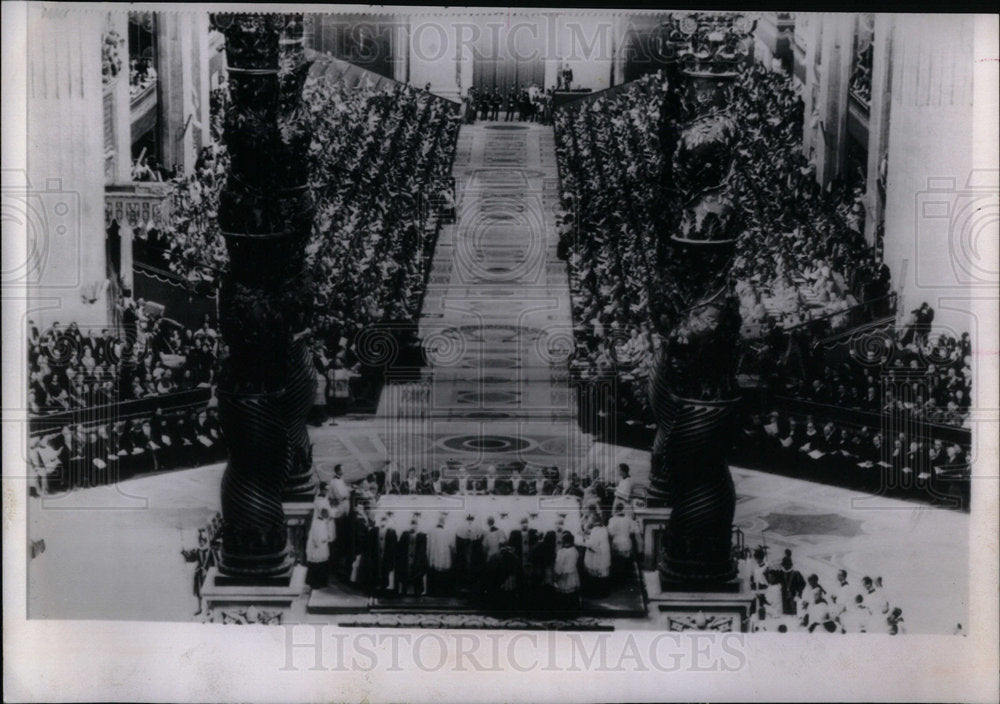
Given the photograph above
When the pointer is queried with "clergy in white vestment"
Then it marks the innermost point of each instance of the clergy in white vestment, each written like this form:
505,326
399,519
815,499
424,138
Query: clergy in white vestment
339,493
620,533
440,553
597,558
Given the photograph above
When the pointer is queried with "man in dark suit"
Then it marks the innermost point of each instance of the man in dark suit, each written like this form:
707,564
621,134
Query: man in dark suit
510,101
793,440
522,541
484,105
523,101
386,553
496,101
469,556
411,561
923,317
142,436
425,486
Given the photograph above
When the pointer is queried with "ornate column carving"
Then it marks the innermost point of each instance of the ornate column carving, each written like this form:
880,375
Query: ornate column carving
694,391
267,384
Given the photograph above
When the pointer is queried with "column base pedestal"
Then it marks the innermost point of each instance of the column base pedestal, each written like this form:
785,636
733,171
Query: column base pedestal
297,517
724,608
653,523
276,595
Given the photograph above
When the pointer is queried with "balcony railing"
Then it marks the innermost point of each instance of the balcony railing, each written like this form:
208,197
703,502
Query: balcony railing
123,410
145,204
835,324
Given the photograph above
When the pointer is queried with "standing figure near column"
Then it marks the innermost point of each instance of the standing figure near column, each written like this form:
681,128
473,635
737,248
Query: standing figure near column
386,556
510,102
411,561
468,554
522,542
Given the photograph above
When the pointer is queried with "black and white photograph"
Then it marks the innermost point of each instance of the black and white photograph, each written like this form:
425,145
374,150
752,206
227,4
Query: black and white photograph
611,349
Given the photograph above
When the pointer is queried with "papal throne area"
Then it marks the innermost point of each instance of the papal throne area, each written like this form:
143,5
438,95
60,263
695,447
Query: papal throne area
476,318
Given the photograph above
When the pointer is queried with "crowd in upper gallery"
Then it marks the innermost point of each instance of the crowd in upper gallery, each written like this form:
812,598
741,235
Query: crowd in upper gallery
380,157
379,161
801,256
801,269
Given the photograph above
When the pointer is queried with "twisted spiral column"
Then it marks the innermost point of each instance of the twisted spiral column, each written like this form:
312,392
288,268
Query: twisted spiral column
267,382
693,392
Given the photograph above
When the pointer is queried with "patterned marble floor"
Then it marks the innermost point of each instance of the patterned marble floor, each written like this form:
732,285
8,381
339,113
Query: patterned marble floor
496,324
496,321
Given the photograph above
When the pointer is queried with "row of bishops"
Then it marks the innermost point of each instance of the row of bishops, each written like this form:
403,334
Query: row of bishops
482,562
545,481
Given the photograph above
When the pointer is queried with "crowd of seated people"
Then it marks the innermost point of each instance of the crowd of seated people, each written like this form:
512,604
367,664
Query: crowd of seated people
515,479
507,560
801,255
190,245
905,465
86,454
919,380
77,371
372,246
379,156
937,368
609,166
69,368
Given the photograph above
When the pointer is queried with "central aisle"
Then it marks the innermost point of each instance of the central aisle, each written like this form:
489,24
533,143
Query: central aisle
496,321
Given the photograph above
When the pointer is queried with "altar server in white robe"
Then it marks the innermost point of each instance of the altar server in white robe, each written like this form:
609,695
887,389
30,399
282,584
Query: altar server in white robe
318,548
597,558
440,555
620,531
